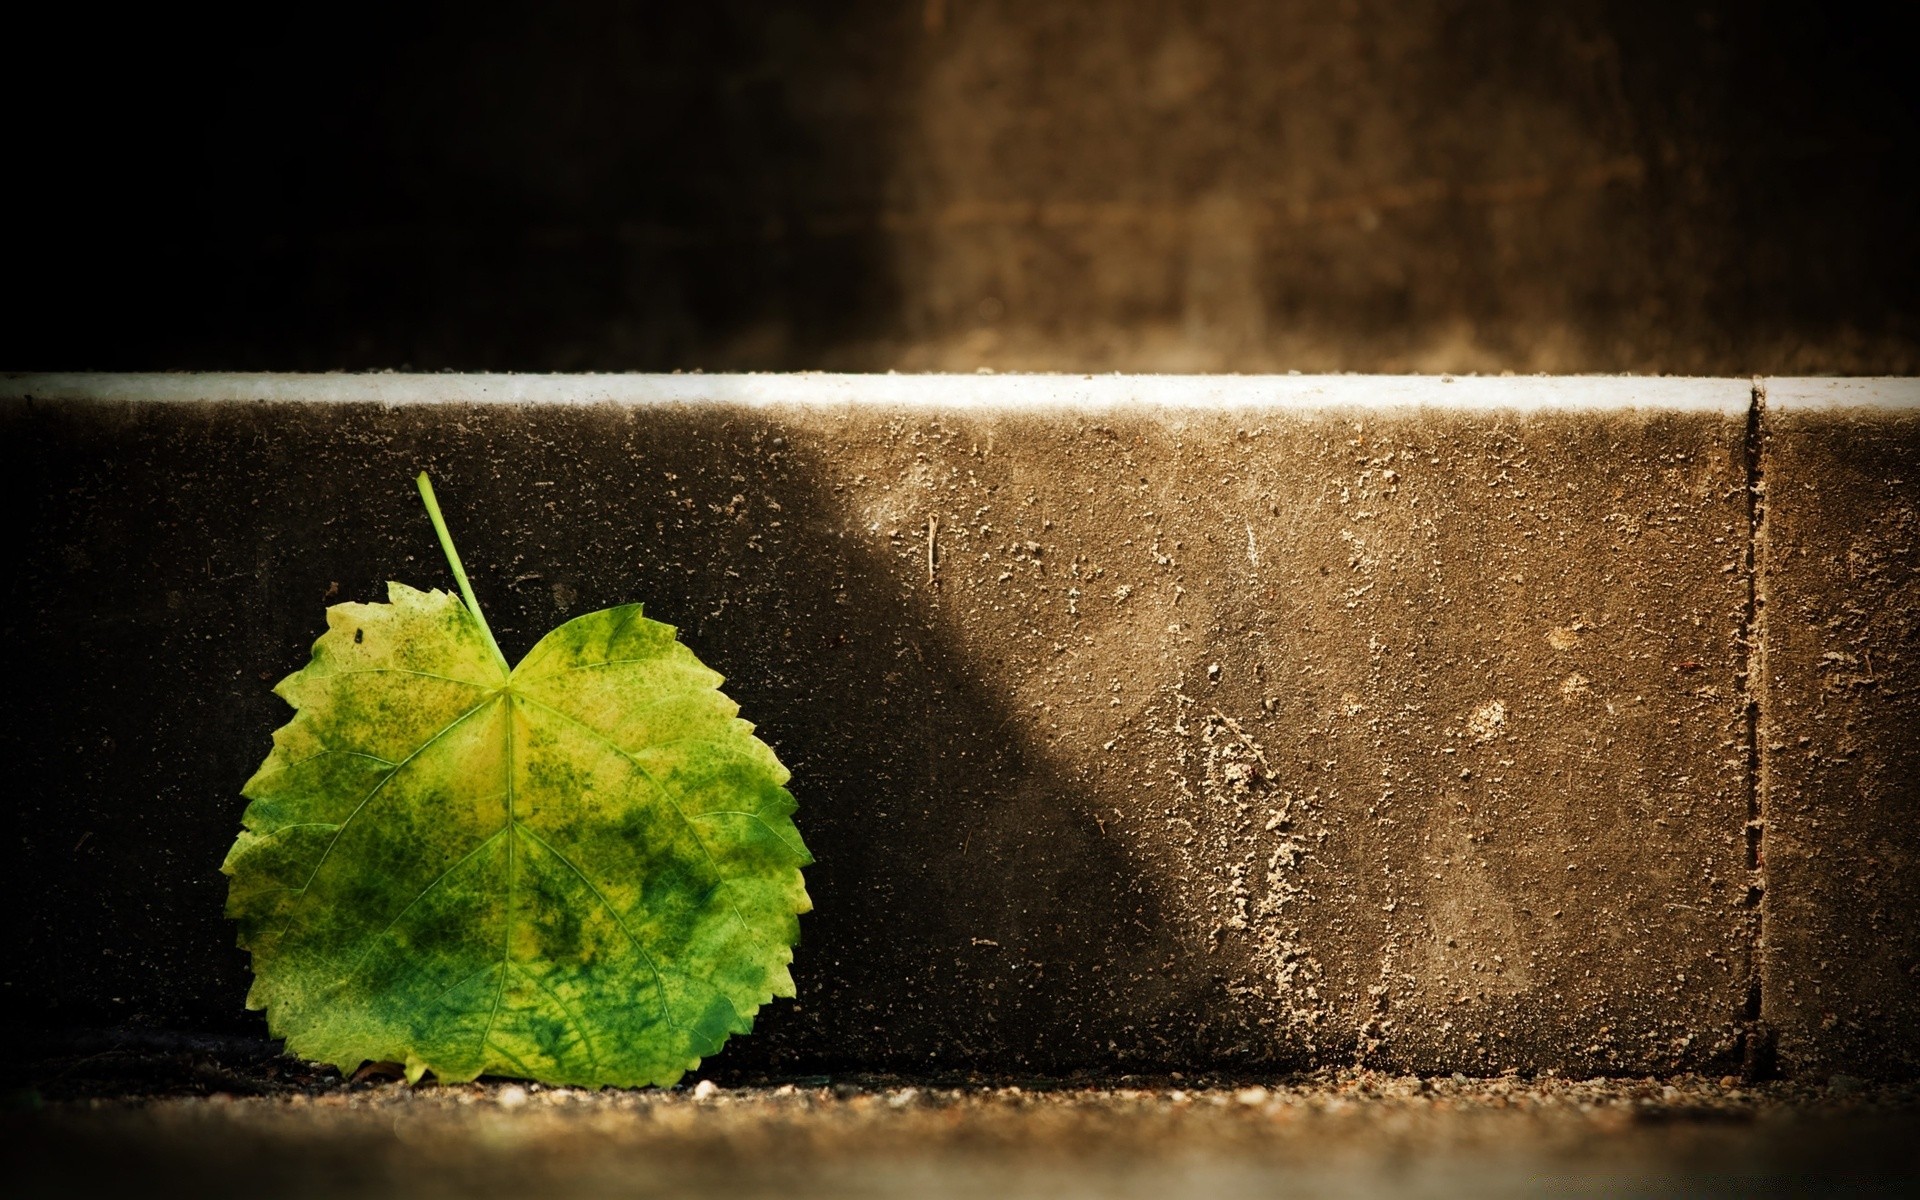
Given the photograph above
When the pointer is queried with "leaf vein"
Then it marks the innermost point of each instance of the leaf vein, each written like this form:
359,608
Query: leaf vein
659,981
720,878
469,977
573,1019
418,897
403,671
364,800
506,930
385,762
751,816
277,830
605,662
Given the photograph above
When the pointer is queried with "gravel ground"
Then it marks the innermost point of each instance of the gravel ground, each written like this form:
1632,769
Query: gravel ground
224,1121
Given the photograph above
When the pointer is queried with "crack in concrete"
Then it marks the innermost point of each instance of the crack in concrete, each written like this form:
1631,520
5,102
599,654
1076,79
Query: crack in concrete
1756,1040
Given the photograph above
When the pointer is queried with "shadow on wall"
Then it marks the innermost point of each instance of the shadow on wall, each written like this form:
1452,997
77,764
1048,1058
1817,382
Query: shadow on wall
971,908
1211,737
1435,185
491,185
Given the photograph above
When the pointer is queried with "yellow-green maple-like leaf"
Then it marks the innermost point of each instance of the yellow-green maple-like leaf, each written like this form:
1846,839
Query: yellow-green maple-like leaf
582,870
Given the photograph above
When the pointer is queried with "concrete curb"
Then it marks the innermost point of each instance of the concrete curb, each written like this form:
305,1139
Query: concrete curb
1838,735
1241,721
964,393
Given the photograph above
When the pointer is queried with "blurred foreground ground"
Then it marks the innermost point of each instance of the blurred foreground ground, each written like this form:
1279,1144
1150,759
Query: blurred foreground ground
230,1120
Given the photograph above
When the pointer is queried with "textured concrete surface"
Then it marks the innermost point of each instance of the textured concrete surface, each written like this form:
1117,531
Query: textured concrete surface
1841,784
1283,722
1720,186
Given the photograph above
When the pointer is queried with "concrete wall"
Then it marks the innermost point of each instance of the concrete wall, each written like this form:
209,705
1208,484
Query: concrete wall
1841,728
1717,187
1246,722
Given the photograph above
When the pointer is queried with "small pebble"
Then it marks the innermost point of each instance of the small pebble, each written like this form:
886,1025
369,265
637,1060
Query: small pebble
706,1089
511,1096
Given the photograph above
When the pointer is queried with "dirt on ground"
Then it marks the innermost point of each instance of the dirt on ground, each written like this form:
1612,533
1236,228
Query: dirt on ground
232,1118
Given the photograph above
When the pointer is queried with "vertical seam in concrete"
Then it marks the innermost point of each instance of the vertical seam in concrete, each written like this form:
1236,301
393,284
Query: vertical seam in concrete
1757,1044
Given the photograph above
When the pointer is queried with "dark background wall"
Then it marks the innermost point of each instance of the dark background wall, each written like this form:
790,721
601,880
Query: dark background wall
949,184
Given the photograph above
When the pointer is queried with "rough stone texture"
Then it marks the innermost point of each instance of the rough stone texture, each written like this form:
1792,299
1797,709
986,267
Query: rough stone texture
1841,724
1255,736
1720,186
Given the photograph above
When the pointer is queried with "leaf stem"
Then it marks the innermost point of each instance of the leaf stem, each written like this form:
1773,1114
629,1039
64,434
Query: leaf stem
453,560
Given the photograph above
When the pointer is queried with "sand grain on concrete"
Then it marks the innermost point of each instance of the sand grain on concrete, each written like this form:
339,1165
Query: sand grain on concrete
1274,723
1841,785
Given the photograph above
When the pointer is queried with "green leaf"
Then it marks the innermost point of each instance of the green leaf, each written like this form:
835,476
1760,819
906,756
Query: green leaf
582,870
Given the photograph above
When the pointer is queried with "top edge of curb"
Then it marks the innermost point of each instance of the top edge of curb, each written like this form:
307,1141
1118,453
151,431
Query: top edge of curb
999,392
1883,393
